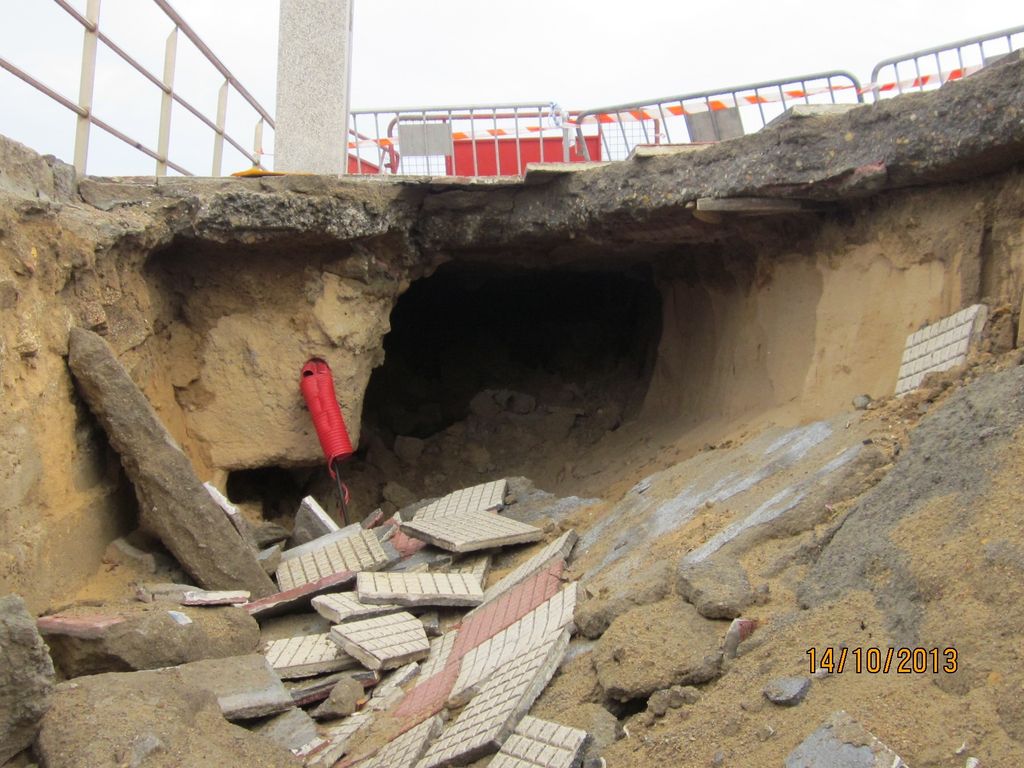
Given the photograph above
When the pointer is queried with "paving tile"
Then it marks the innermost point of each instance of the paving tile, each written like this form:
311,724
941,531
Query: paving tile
490,718
307,655
405,750
539,743
478,498
940,346
359,552
472,531
282,602
245,686
560,548
336,740
185,594
322,541
446,589
429,696
478,565
86,627
535,629
406,545
340,607
507,608
384,642
440,650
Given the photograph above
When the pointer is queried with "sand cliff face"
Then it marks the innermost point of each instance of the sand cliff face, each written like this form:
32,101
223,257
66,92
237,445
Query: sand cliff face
214,292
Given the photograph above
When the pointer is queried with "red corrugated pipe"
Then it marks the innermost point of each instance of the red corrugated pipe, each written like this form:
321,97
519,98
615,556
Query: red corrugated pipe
317,387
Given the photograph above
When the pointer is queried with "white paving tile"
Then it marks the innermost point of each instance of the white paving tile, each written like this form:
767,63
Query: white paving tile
477,565
492,715
478,498
472,531
560,548
449,589
534,630
540,743
940,346
359,552
340,607
307,655
405,750
440,650
384,642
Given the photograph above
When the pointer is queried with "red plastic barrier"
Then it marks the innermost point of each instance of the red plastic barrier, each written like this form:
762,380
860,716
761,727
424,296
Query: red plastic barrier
317,386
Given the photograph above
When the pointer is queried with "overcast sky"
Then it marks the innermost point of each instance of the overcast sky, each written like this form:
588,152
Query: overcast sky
432,52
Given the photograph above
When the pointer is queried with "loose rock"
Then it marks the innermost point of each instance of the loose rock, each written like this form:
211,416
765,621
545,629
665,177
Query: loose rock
342,701
718,588
787,691
26,677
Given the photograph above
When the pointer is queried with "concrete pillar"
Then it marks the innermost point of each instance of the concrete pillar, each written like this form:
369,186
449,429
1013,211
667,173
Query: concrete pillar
314,57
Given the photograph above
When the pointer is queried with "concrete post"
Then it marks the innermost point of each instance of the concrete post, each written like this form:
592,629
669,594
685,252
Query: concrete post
314,57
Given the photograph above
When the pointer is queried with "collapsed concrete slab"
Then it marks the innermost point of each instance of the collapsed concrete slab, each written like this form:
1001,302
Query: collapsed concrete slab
843,742
539,743
172,502
26,677
122,637
306,656
359,552
471,531
384,642
486,497
412,589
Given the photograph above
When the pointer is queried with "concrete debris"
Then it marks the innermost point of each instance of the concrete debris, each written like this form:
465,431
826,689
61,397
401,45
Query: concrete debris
245,686
161,720
306,692
486,497
717,587
470,531
843,742
739,630
311,522
940,346
478,565
414,589
861,402
559,549
340,607
186,594
405,750
431,621
337,739
172,502
321,542
342,701
270,558
26,677
267,534
292,730
787,691
384,642
492,715
537,743
306,656
120,637
121,551
358,552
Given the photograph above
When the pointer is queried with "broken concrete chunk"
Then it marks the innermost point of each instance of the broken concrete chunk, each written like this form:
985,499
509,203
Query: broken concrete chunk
342,701
485,497
292,730
311,522
267,534
186,594
787,691
717,587
843,743
270,558
245,686
26,677
306,656
310,691
405,750
739,630
337,739
492,715
234,516
160,720
172,502
384,642
411,589
472,531
537,743
121,637
345,606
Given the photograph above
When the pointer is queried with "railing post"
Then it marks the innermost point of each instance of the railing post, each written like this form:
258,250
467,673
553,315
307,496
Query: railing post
166,102
218,136
85,86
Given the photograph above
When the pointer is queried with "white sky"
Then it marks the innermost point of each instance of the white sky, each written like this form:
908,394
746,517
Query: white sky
433,52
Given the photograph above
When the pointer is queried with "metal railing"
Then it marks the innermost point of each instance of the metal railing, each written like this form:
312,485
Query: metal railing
932,67
86,118
472,140
712,115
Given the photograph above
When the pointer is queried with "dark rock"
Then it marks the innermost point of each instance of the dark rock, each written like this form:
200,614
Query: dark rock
148,636
842,743
787,691
409,449
718,588
342,701
149,718
26,677
172,502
